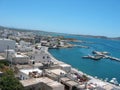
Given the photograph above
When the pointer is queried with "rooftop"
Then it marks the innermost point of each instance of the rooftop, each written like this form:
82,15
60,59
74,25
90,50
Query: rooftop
57,71
72,83
26,71
6,39
2,58
16,55
28,66
38,64
24,66
54,84
44,80
20,55
64,79
65,65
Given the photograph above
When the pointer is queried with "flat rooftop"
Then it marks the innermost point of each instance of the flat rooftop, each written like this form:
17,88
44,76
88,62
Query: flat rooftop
44,80
6,39
65,65
24,66
64,79
68,81
28,66
20,55
71,83
26,71
2,58
38,64
57,71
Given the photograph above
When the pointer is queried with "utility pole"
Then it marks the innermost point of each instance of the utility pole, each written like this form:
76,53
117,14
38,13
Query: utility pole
7,51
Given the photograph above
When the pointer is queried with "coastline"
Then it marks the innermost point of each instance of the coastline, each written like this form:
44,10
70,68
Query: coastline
91,78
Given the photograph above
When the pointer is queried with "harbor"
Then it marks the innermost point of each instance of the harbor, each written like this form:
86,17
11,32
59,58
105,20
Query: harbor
92,79
95,66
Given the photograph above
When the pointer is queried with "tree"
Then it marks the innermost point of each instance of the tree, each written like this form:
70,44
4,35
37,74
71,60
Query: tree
9,82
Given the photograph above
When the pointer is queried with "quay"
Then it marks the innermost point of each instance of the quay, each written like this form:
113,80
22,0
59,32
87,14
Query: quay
100,55
114,58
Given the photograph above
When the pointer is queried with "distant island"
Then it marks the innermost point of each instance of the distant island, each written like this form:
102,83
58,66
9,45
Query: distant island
45,32
102,37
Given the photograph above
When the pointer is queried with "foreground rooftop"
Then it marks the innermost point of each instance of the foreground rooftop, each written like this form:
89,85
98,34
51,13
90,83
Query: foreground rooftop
44,80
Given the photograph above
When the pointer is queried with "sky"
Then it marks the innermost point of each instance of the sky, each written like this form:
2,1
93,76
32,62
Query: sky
88,17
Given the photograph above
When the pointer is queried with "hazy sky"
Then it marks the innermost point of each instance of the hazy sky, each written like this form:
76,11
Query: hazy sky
94,17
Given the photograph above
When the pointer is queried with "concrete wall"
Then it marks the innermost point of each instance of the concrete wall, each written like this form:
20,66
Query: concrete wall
41,57
23,76
10,55
22,60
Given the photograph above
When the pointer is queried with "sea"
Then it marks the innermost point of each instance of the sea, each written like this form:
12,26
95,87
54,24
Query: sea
102,69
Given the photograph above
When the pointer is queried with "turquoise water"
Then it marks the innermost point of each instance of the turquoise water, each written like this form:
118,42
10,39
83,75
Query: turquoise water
104,68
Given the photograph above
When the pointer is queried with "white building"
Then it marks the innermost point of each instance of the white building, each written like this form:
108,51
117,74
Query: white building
16,58
29,73
24,46
56,74
5,33
44,42
40,56
23,43
7,44
65,67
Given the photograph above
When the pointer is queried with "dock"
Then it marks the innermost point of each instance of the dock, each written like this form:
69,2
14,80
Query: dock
114,58
101,55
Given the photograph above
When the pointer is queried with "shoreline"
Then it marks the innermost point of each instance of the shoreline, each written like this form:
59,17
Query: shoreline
91,78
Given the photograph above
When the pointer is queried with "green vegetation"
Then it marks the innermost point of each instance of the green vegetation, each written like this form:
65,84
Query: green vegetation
4,62
8,80
3,65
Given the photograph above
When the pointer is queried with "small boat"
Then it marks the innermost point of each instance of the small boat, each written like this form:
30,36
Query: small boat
92,57
100,53
96,57
86,57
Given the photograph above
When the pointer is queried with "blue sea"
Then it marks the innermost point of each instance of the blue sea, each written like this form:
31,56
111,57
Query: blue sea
104,68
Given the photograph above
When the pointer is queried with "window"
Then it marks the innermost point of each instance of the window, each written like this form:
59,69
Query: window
43,57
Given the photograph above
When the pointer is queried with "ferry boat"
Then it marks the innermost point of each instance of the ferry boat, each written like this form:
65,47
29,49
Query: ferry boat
100,53
92,57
